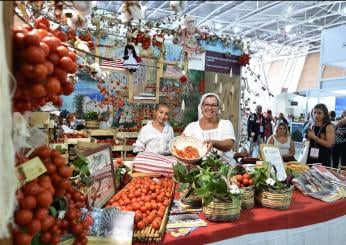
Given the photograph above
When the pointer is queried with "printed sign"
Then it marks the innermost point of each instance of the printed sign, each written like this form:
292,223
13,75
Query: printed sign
218,62
196,61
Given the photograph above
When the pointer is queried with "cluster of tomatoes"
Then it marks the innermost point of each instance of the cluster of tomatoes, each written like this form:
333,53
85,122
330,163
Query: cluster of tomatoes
73,135
244,180
41,64
148,197
35,198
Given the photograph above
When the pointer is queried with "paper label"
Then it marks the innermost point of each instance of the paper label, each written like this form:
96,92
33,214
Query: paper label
30,170
314,152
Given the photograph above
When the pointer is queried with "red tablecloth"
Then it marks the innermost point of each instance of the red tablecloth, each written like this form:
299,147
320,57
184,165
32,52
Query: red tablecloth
304,210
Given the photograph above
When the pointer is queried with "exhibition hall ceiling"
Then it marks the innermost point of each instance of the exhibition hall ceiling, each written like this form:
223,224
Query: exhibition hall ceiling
278,27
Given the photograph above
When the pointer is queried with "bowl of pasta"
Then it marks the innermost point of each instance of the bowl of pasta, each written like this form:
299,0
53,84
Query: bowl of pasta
187,149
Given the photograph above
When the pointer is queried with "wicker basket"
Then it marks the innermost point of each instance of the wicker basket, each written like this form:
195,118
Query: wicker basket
92,124
280,200
192,200
218,210
248,197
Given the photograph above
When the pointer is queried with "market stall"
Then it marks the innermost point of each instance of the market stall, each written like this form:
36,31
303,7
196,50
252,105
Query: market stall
86,82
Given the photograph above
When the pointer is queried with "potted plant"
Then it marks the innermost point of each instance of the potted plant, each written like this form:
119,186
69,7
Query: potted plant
210,181
270,192
91,119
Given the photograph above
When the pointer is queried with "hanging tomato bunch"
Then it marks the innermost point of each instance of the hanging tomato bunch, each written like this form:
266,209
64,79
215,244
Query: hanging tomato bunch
143,38
41,64
158,40
34,216
244,59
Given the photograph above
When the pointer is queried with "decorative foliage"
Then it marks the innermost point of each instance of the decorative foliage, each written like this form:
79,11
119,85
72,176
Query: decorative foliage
264,178
209,181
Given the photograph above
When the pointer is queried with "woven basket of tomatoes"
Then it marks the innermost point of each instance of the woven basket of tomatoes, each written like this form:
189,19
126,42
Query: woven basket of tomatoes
150,199
244,181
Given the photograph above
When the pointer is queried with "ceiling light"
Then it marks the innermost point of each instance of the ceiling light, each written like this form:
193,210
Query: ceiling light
237,29
311,20
288,28
218,26
344,10
289,9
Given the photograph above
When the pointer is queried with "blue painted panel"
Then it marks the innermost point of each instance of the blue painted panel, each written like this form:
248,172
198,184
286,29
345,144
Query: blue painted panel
218,46
340,105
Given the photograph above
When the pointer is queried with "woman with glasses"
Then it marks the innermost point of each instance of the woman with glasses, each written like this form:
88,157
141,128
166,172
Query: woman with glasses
215,132
283,141
321,134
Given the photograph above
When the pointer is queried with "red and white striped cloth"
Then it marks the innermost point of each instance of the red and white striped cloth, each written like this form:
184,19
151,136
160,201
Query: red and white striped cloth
173,71
149,162
118,63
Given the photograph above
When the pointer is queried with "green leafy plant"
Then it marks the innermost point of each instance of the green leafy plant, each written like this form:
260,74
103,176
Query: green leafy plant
91,115
210,180
81,169
264,178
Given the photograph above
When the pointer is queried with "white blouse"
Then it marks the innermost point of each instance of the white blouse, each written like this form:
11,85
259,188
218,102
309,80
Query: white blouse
152,140
284,148
224,131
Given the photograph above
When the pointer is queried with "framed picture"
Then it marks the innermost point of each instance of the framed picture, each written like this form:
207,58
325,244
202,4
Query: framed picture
101,168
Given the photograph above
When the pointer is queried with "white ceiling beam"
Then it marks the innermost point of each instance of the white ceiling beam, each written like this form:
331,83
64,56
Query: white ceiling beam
305,21
254,12
201,22
302,10
159,8
315,36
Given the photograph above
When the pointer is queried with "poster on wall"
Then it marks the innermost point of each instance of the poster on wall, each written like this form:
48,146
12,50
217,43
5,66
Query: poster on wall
218,62
196,61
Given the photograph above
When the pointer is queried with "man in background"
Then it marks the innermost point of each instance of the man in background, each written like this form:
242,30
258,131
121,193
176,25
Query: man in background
255,130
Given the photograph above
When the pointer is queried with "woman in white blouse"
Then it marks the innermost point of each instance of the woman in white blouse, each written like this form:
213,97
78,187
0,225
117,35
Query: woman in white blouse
215,132
283,141
156,135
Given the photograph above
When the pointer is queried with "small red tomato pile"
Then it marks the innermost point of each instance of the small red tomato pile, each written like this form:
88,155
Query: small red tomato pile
73,135
244,180
35,198
41,64
148,197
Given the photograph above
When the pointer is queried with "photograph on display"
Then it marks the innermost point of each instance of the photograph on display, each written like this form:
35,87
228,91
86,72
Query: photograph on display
100,164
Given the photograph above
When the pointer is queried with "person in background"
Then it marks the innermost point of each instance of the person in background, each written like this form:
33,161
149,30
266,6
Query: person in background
215,132
268,127
156,134
321,134
283,141
332,115
339,149
281,118
255,130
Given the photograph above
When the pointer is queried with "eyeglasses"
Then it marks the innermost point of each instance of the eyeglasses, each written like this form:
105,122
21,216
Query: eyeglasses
211,105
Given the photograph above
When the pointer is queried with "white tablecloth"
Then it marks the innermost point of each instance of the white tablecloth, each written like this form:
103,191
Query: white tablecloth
332,232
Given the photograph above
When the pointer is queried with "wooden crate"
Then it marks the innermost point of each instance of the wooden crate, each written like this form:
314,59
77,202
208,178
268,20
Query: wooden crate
101,132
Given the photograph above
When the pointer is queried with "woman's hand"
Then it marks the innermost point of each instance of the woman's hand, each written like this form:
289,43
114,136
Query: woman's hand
311,134
209,144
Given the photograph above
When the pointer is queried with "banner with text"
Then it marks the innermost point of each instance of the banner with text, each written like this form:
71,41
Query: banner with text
218,62
196,61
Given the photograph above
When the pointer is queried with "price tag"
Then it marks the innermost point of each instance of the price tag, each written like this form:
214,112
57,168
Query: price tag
30,170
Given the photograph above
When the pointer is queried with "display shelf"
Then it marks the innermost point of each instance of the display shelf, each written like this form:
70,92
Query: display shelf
75,140
123,148
102,132
123,135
